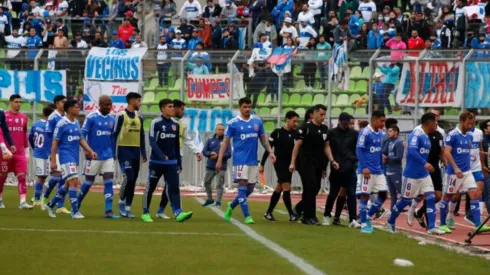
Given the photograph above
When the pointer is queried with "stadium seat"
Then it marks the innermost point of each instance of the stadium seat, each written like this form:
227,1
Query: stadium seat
285,110
336,111
361,86
39,106
274,111
264,111
353,98
342,100
148,97
3,106
268,99
365,73
355,72
284,98
269,126
318,99
153,84
360,111
392,100
144,109
261,99
294,100
300,86
352,85
174,95
147,124
452,112
160,96
301,111
349,110
306,100
334,99
154,109
14,14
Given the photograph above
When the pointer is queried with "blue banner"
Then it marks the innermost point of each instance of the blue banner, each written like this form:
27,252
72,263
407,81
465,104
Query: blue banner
205,120
477,82
33,85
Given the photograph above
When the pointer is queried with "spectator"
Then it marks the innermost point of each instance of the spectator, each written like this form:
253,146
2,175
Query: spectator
228,42
162,66
211,10
256,7
139,43
78,42
116,42
199,68
309,69
288,31
126,30
191,45
279,11
204,32
132,38
24,30
377,91
125,6
113,9
88,30
288,77
216,35
443,34
306,15
14,41
322,57
362,38
397,47
419,6
232,28
3,23
266,27
290,44
202,54
342,33
191,10
76,7
98,41
185,28
421,26
61,25
458,10
35,9
367,7
385,29
48,34
306,32
33,42
316,10
263,42
60,41
168,10
132,20
61,9
374,38
354,26
415,43
230,10
178,43
348,4
34,23
47,11
390,80
328,29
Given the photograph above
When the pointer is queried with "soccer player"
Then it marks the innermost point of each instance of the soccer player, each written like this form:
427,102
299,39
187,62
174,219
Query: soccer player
66,142
282,140
98,131
245,130
17,127
312,147
130,142
392,157
37,140
165,160
416,179
370,177
460,178
56,178
211,150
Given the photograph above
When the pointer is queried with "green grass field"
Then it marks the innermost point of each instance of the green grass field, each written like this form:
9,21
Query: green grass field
203,245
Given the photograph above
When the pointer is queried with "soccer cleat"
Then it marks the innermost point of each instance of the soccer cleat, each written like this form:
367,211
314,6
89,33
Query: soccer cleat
470,220
183,216
249,220
122,209
37,203
269,217
218,204
293,218
450,223
368,222
162,216
110,215
62,210
25,205
77,216
410,216
315,221
229,212
207,203
327,220
445,229
391,228
381,212
420,219
130,215
1,204
354,224
367,229
484,228
336,221
51,211
435,231
146,217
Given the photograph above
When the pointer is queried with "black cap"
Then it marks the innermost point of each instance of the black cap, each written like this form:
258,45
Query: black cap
344,118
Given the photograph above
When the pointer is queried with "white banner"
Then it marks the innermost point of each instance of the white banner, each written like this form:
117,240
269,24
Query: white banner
214,87
92,90
111,64
33,85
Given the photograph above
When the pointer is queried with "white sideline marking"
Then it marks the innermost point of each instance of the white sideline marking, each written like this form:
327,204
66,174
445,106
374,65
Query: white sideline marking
297,261
118,232
281,212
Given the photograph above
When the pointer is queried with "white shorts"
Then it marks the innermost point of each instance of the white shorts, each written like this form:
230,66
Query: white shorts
69,171
411,188
375,184
57,164
462,185
98,167
42,167
249,173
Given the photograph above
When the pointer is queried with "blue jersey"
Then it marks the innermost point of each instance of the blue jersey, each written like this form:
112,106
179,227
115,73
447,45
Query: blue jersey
417,154
68,133
245,135
37,140
53,119
117,43
164,142
33,42
98,130
368,150
460,150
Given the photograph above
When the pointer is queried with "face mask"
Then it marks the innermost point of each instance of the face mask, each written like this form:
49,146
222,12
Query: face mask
387,18
380,18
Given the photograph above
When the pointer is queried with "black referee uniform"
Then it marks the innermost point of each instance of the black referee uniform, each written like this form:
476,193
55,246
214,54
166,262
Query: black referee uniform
311,164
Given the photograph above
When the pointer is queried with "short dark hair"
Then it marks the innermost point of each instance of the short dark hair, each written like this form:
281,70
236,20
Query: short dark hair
178,103
48,110
464,116
395,128
427,118
291,114
390,122
52,106
319,107
14,97
377,114
69,103
132,95
363,124
244,100
484,124
164,102
58,98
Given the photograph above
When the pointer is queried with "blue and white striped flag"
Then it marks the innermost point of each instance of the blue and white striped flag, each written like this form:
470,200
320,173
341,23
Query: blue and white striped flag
198,141
339,72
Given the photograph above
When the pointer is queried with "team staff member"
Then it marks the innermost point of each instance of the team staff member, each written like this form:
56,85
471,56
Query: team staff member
282,139
130,142
342,140
309,155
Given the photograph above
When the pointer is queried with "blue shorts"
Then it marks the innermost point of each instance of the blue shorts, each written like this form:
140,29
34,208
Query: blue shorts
478,175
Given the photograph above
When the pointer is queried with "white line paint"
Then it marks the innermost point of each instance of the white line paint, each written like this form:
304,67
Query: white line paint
281,212
295,260
118,232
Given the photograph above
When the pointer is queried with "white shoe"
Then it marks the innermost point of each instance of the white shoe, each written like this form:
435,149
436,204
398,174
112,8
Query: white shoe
25,205
62,210
51,211
162,216
77,216
2,206
435,231
327,220
354,224
410,214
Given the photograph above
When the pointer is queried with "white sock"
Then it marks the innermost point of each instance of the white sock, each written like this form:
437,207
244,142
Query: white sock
128,208
452,206
413,205
121,201
482,206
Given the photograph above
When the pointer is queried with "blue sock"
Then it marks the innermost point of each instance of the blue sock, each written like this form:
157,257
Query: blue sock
160,209
375,206
475,211
430,200
145,211
363,210
443,211
108,194
38,190
72,194
51,184
242,199
59,196
397,209
84,191
61,203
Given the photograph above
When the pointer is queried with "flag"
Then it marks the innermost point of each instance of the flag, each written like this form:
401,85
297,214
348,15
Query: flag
198,141
339,71
280,60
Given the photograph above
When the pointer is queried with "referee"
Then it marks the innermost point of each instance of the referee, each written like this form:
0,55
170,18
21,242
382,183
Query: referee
309,155
282,139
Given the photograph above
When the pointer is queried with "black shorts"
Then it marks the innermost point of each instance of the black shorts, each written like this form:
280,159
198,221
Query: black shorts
436,179
282,172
